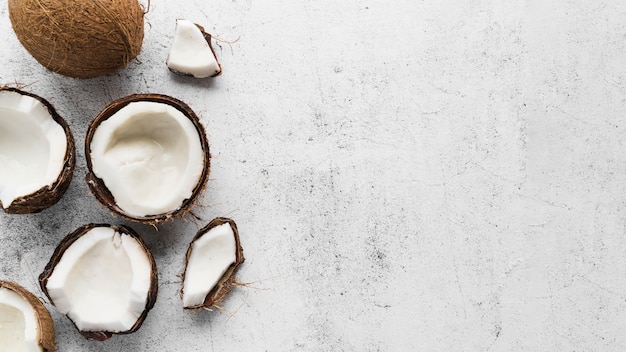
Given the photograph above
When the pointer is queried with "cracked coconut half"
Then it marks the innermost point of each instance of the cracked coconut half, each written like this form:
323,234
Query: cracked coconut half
191,53
148,157
37,154
213,257
25,324
103,278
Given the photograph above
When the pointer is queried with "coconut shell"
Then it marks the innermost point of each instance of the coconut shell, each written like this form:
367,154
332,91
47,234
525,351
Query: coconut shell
48,195
228,281
207,37
45,324
68,240
102,193
81,39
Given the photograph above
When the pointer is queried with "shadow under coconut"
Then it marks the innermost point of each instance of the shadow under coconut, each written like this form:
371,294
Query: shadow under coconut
193,81
166,239
103,88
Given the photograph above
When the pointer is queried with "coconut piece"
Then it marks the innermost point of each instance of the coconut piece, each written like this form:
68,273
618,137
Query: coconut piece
103,278
148,157
80,39
25,324
212,259
191,53
36,153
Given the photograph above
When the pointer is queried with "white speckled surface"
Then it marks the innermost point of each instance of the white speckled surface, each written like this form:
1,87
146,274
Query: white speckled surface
407,175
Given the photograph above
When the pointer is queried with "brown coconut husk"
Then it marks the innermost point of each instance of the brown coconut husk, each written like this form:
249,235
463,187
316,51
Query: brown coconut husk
228,281
68,240
102,193
81,39
49,195
45,324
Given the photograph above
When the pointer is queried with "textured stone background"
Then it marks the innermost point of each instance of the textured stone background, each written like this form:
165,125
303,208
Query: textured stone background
408,175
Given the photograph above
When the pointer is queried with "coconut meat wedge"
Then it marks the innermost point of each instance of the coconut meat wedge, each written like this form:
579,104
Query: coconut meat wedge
191,53
212,259
148,157
36,153
103,278
25,324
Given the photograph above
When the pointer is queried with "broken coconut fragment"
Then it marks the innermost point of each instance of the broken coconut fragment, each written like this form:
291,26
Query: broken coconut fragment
103,278
191,53
25,324
212,259
36,153
148,157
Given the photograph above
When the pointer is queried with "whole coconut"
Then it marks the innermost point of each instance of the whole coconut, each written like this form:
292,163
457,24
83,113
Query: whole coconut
79,38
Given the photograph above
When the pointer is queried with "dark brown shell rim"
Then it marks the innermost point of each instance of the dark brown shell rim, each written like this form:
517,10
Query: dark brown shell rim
45,324
228,280
68,240
49,195
99,189
207,37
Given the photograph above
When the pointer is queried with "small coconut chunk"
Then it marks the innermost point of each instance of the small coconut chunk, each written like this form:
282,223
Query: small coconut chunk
25,324
102,279
212,258
149,156
191,52
33,146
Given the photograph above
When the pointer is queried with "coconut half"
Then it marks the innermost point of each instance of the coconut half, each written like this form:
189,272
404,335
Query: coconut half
25,324
213,257
103,278
37,153
148,157
191,53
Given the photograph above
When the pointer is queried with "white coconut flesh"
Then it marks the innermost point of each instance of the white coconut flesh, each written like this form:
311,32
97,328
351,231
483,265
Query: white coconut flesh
102,281
211,255
190,53
19,329
32,146
149,156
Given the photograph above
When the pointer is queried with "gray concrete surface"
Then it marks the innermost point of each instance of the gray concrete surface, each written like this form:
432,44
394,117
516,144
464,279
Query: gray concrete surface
406,175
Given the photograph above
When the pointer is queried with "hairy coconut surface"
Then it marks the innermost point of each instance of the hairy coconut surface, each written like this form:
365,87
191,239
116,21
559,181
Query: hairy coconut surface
99,252
50,194
227,281
45,325
98,186
81,39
